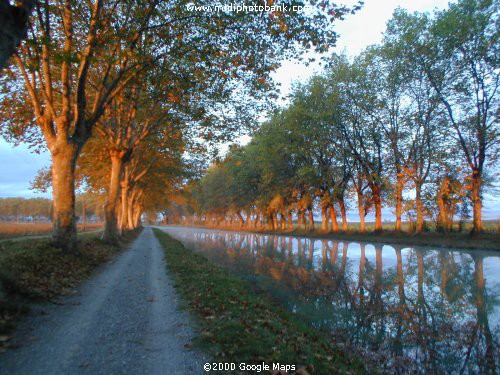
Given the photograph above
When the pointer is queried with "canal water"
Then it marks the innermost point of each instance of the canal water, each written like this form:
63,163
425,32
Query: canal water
404,309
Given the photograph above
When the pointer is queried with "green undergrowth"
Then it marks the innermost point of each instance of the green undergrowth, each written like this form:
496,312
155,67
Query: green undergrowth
241,324
33,270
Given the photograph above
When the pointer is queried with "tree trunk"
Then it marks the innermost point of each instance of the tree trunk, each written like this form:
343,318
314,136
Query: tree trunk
282,220
84,215
111,225
361,211
274,217
377,202
270,222
343,213
124,209
311,219
442,222
333,217
240,217
63,193
399,201
137,216
130,210
290,220
256,223
324,218
300,218
248,222
118,214
419,206
476,201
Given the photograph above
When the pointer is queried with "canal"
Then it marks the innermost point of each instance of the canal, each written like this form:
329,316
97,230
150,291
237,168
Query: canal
404,309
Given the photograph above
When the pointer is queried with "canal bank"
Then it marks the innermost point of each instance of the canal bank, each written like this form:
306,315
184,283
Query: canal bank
400,308
243,325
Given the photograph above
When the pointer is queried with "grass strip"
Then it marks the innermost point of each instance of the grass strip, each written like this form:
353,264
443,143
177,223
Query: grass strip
33,270
10,230
241,324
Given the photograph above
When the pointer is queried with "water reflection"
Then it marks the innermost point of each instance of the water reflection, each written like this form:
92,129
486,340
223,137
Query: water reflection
404,309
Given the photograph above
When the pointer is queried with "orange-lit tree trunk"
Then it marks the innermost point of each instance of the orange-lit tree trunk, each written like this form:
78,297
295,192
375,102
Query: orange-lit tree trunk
241,220
270,221
361,211
325,202
442,222
301,219
290,219
248,221
118,213
399,200
282,220
311,219
324,218
64,157
130,209
343,213
476,201
111,225
125,188
137,216
333,217
419,207
137,210
377,203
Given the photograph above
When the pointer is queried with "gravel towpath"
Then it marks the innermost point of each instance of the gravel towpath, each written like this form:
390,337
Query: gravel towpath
124,320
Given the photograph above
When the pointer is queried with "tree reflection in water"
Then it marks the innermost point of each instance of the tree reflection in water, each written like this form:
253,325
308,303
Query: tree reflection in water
404,309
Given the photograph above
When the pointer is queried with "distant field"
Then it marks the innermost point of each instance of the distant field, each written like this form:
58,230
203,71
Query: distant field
9,230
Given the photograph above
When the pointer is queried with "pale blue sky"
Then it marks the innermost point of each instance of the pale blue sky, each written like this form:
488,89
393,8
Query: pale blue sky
356,32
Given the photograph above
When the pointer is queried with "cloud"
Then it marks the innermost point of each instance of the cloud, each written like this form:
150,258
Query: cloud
19,167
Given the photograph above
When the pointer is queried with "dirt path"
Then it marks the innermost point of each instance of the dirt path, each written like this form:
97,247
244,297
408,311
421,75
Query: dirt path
123,320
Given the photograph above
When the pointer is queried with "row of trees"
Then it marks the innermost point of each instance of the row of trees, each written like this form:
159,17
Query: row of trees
21,209
88,208
411,123
136,84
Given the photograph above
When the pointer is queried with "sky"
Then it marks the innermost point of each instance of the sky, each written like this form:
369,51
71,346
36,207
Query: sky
356,32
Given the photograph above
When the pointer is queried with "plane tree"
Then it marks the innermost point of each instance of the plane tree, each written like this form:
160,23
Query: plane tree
363,137
456,52
389,107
